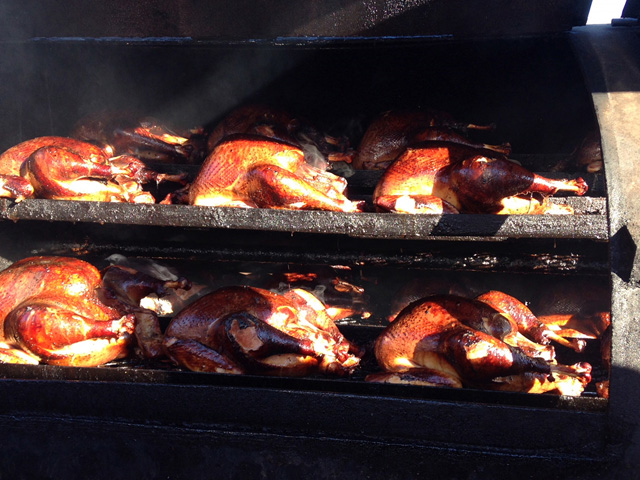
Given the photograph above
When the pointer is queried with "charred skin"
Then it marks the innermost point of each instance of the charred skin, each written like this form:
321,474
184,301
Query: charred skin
49,307
132,286
392,132
261,348
129,133
444,177
459,339
483,184
123,288
245,329
257,172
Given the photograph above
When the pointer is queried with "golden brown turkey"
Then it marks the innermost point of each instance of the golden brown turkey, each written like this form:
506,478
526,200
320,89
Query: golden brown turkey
447,177
446,340
64,168
63,311
253,171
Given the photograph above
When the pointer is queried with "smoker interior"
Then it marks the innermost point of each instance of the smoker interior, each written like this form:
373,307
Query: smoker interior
390,274
532,88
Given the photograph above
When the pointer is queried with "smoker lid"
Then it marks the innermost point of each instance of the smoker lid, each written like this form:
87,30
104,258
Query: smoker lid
285,20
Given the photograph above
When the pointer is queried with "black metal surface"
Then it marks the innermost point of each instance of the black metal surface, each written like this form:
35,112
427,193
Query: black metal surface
158,431
97,241
249,20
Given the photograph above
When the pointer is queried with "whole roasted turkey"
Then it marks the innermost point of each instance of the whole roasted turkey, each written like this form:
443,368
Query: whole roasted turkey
64,311
449,177
282,125
255,171
63,168
391,132
447,340
240,329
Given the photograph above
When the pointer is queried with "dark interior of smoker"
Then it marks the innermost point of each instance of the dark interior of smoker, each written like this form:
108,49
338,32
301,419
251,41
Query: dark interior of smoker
530,87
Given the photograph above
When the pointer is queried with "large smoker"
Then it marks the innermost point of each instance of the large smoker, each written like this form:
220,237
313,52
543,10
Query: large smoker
532,68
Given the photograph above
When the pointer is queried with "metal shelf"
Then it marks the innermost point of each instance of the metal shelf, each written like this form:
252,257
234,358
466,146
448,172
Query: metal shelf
360,225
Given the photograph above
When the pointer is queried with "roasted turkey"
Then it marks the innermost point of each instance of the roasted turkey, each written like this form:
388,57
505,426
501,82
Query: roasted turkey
251,330
447,177
446,340
253,171
63,311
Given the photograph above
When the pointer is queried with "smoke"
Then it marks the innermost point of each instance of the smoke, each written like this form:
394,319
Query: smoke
314,157
144,265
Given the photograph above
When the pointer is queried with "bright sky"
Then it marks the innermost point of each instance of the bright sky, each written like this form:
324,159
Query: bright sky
602,11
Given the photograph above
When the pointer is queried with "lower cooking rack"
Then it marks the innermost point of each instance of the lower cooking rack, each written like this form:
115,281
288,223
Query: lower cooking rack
159,417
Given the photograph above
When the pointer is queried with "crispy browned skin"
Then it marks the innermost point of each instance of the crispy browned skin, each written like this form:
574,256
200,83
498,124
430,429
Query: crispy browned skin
14,186
49,307
445,177
61,311
12,180
60,174
390,133
64,168
245,329
12,159
528,324
461,338
52,277
257,172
